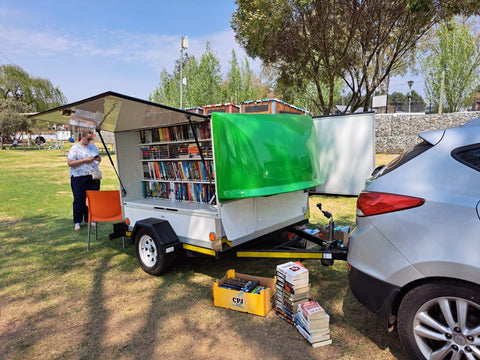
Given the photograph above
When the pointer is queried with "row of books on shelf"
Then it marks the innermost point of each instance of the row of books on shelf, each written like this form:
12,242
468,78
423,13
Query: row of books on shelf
193,192
188,170
175,133
172,151
293,304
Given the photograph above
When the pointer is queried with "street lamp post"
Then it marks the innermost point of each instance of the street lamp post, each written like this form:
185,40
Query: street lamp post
183,46
410,84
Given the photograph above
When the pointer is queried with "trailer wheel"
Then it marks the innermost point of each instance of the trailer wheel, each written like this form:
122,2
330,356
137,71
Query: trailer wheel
150,253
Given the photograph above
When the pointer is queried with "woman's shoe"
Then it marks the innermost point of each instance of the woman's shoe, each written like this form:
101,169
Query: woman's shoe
93,224
77,227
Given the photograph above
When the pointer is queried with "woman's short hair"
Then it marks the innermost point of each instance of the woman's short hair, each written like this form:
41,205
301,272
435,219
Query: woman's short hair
84,132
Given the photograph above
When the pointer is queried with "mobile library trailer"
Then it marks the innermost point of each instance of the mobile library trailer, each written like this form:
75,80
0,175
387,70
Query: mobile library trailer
203,184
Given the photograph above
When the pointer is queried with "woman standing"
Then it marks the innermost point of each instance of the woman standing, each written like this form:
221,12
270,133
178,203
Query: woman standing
83,158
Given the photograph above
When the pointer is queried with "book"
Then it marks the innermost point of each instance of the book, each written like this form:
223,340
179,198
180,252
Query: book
320,336
298,286
312,310
292,289
313,325
289,296
285,315
293,272
321,343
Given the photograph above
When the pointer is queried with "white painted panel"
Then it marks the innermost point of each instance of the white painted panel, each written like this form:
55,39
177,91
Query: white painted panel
238,218
346,149
273,210
190,228
246,217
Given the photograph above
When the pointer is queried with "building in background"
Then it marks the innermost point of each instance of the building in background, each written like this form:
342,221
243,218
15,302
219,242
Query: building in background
269,106
225,108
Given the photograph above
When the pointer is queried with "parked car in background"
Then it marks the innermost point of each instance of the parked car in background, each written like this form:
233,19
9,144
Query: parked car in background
414,257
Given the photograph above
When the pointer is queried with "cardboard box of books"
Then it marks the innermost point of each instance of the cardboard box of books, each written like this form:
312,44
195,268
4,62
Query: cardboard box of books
246,293
340,233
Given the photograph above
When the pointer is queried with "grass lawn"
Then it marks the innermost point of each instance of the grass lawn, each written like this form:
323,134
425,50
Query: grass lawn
58,301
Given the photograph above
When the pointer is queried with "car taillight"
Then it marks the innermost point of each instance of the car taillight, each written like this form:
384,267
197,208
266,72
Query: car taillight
375,203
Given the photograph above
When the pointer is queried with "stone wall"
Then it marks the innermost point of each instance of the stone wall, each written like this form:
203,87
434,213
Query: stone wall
396,132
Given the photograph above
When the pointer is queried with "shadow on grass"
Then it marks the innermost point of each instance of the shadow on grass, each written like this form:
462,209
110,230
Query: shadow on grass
60,301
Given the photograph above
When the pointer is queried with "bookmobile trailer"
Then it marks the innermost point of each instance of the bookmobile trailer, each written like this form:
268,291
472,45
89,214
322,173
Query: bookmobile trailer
207,185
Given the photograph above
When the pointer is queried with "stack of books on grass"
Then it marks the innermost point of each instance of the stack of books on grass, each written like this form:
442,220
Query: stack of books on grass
293,288
313,323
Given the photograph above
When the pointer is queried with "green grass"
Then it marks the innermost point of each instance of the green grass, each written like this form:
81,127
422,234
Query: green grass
58,301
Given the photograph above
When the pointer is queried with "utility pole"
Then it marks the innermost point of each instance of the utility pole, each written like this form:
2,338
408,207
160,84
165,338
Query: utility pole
410,84
183,81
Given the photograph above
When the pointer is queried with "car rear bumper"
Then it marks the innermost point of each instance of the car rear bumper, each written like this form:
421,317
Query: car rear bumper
376,295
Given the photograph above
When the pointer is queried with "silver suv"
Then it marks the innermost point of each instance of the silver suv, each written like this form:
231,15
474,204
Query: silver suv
414,257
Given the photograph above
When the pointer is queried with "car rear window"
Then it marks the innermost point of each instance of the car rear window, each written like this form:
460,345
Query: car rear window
468,155
407,155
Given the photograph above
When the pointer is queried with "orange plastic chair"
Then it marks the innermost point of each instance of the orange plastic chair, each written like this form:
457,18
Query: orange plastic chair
103,206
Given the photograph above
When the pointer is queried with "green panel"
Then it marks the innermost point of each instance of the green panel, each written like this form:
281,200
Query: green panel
261,155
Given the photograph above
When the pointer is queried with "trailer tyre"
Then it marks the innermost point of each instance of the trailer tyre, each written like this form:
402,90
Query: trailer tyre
150,255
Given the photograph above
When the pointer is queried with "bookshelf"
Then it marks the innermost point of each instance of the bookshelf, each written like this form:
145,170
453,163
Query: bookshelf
172,166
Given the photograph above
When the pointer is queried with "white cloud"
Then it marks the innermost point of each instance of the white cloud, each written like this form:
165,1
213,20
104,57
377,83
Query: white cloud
154,51
128,62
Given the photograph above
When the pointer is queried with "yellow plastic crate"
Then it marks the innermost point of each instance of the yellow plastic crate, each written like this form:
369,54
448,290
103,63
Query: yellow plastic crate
257,304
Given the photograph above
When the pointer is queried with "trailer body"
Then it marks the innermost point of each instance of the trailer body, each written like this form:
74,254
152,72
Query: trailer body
253,179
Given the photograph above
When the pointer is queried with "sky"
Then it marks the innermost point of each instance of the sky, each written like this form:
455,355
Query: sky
87,47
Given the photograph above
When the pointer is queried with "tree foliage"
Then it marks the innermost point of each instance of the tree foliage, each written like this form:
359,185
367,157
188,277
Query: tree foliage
21,93
204,82
450,65
234,84
13,118
17,84
359,42
400,101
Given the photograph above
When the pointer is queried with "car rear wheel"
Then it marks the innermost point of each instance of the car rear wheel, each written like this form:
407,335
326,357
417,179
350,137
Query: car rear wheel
441,321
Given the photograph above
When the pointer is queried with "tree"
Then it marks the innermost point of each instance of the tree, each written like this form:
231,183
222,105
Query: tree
234,80
399,101
320,41
21,93
16,83
252,87
450,66
13,118
167,91
209,77
241,83
203,82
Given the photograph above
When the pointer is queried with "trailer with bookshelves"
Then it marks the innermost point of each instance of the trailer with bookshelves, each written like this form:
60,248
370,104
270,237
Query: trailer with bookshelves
202,184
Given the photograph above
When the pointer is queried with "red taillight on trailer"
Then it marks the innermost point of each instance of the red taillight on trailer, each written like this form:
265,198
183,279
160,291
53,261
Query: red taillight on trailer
375,203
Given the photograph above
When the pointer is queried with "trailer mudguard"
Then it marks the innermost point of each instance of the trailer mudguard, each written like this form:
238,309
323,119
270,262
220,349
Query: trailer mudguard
161,229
